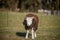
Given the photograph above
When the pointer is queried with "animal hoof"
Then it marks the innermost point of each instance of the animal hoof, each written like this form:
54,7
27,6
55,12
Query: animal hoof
32,38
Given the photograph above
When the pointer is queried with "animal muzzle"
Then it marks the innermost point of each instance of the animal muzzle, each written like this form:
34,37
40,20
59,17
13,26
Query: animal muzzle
29,20
29,23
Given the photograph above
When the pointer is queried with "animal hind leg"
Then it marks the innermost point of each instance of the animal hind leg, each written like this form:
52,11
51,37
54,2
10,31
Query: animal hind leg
32,33
35,34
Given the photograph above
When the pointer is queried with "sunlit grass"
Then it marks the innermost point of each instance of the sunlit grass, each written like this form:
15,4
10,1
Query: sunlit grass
11,24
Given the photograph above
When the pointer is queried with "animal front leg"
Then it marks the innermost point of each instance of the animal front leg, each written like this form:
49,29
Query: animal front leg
27,34
32,33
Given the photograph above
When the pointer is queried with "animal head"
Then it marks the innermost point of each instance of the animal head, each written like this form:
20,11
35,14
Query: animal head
29,20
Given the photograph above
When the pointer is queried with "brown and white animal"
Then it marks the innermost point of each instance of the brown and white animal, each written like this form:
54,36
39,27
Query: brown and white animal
31,23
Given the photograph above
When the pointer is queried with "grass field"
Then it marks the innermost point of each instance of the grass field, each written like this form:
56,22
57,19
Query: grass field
11,27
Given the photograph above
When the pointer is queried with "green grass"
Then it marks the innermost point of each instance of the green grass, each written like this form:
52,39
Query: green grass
11,27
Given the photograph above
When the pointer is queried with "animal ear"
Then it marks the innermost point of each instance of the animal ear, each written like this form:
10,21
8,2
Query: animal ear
24,22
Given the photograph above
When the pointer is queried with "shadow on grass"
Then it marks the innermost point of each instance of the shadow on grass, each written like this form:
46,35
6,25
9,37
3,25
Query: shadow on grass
21,34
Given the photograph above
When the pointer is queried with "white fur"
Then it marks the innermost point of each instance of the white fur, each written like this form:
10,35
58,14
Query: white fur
32,33
35,34
27,34
29,20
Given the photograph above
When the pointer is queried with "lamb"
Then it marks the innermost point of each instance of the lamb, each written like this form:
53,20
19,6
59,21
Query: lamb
31,23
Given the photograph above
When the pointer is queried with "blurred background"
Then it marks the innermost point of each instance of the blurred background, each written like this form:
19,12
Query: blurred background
49,6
